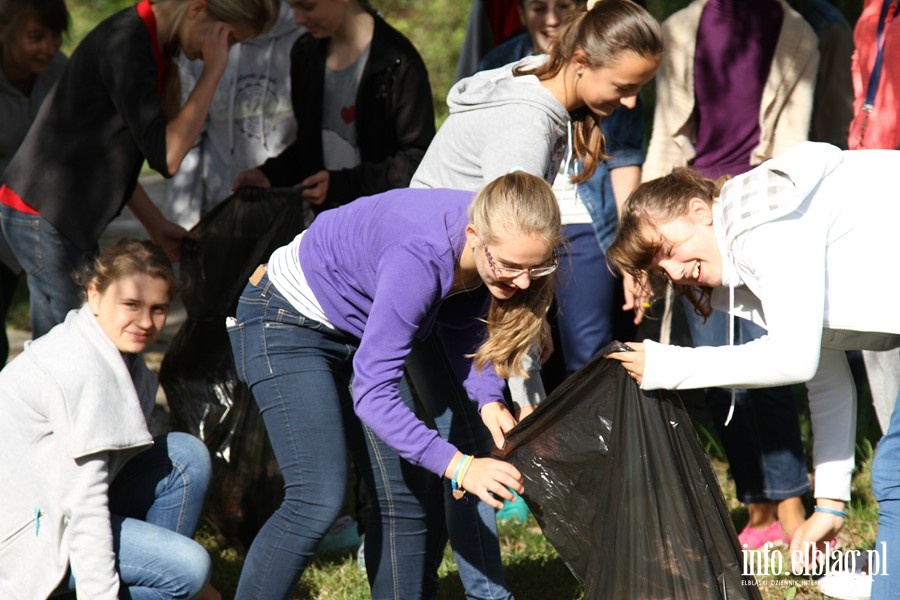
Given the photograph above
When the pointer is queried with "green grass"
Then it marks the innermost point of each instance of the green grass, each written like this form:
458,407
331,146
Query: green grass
534,571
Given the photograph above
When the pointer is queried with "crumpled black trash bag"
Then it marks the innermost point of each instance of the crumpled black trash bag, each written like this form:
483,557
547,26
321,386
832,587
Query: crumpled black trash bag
622,488
197,372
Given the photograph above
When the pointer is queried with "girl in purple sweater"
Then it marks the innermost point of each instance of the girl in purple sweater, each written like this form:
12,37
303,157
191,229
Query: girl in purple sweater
323,332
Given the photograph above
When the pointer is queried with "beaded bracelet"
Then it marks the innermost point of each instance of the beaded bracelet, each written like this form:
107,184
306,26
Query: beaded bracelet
831,511
461,468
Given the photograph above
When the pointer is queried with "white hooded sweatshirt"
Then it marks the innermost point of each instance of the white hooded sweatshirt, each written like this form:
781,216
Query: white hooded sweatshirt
805,241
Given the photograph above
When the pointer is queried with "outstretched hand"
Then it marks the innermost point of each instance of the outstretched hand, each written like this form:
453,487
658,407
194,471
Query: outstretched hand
169,236
637,297
498,420
634,362
808,542
251,178
490,479
314,189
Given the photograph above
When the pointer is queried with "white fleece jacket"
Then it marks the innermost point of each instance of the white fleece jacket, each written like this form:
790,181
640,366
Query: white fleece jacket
805,241
71,415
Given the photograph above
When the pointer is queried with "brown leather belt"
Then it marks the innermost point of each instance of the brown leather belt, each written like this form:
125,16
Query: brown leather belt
258,274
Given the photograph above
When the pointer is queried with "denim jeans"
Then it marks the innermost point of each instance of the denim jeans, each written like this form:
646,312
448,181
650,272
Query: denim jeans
886,487
8,281
299,372
585,293
763,441
50,261
156,502
471,525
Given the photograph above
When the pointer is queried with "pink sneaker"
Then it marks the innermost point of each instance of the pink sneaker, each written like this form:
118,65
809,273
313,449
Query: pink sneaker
753,539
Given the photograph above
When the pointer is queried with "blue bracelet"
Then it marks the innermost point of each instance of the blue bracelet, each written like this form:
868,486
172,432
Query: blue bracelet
453,484
831,511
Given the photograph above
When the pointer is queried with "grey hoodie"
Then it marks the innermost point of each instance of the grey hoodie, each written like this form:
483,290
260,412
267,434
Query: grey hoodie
497,122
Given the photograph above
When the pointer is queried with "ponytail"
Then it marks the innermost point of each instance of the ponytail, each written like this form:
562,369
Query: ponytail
602,33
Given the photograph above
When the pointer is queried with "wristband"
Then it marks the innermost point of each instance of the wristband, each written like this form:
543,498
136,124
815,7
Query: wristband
831,511
461,468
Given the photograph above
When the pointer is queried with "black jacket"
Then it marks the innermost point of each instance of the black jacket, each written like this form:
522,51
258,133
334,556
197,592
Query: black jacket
394,118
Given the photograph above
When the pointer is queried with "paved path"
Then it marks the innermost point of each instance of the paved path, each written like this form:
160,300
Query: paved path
123,226
127,226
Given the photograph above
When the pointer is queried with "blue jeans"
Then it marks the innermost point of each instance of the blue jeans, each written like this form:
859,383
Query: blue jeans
886,487
299,372
50,261
585,292
763,441
8,282
156,502
470,523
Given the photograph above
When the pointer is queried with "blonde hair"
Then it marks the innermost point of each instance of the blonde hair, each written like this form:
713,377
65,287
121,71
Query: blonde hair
516,204
604,32
256,15
126,257
637,241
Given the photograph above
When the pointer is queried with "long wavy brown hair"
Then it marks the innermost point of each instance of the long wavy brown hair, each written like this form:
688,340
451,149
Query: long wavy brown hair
638,240
603,33
516,204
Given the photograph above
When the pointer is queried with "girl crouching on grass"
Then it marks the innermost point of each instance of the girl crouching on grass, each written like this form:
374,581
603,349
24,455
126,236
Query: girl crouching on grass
91,502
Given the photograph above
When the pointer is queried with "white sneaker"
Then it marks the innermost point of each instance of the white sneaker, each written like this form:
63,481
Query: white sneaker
846,585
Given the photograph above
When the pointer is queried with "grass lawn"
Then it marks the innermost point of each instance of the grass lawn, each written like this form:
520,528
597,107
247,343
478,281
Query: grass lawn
534,570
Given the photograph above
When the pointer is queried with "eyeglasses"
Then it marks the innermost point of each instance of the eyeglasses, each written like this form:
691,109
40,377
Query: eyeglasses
512,273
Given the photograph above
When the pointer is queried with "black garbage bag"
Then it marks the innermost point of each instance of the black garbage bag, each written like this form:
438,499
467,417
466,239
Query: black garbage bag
197,372
622,488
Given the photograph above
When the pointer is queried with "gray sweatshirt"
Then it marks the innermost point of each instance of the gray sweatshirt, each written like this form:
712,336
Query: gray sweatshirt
497,122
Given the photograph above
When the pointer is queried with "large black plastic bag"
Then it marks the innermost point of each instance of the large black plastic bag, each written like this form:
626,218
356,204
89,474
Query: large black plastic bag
197,372
622,488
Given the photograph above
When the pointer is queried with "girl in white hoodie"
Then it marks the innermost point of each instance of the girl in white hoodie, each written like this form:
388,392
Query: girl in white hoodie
792,245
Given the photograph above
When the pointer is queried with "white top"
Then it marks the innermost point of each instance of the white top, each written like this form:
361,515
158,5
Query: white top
808,241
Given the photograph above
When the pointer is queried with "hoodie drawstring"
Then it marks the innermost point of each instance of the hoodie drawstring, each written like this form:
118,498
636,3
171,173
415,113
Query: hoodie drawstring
265,95
731,343
231,97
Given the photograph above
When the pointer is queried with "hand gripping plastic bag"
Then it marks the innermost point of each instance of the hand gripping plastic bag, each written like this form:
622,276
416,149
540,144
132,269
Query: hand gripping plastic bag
620,485
197,373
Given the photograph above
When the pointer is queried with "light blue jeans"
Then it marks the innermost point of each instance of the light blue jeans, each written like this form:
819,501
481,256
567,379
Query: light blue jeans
886,487
50,261
156,503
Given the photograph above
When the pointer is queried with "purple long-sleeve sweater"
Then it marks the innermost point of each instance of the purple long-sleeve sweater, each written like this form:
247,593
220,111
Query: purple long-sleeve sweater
381,268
